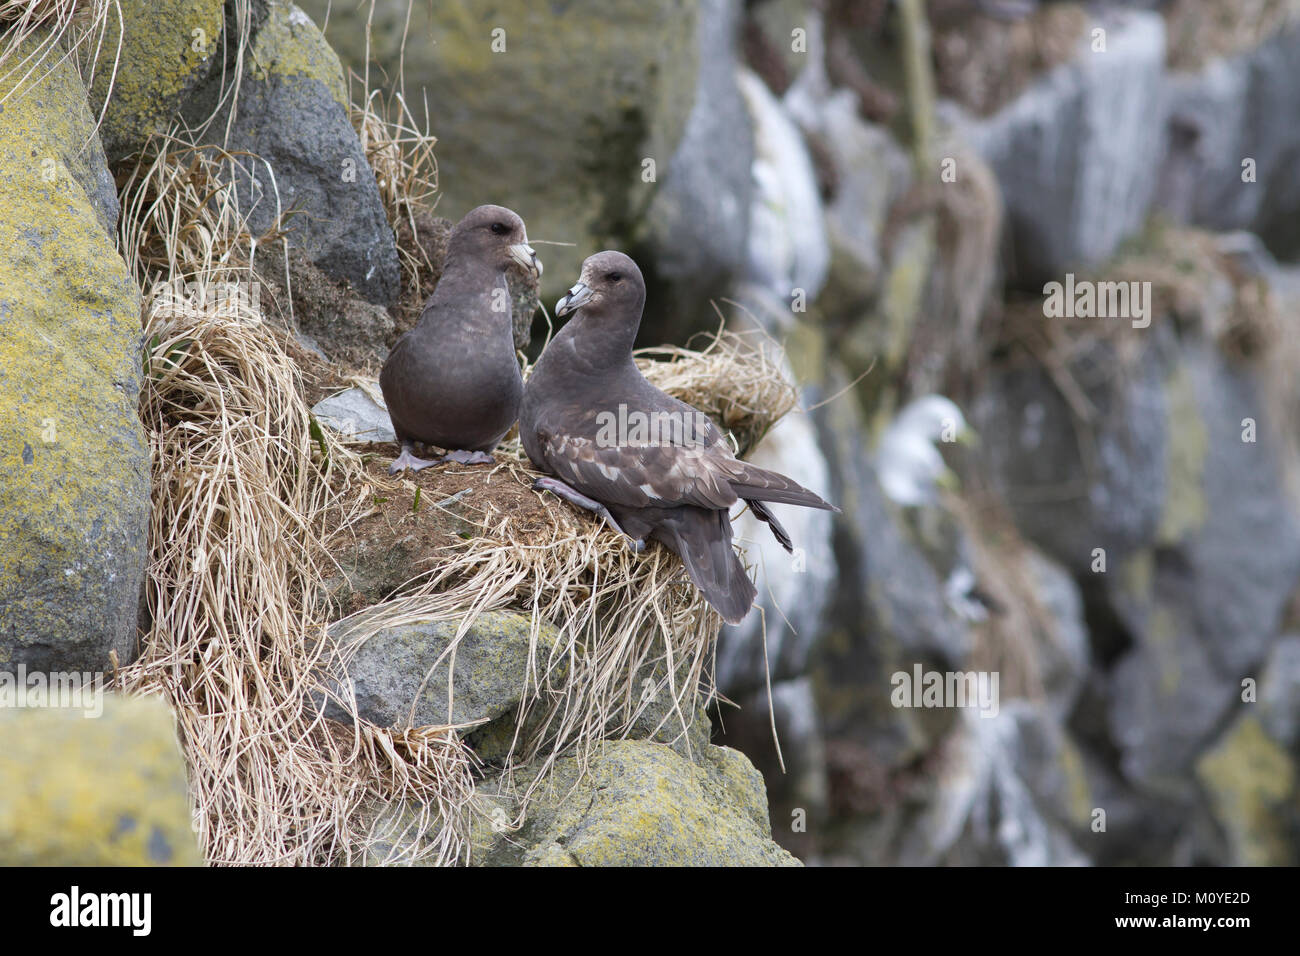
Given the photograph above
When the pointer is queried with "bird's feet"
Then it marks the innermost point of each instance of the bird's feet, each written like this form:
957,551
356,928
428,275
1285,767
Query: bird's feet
407,459
462,457
573,496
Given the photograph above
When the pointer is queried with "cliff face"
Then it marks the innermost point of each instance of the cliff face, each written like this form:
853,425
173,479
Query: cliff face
1098,542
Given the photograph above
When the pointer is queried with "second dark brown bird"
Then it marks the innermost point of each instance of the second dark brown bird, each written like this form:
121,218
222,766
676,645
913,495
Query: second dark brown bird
648,464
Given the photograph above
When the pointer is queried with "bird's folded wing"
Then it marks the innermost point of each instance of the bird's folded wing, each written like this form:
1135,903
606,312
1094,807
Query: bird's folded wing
639,476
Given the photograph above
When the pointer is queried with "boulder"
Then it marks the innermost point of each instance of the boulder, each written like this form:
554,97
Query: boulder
407,674
794,590
74,473
1230,111
635,803
699,219
553,116
357,414
292,113
1078,152
108,791
167,49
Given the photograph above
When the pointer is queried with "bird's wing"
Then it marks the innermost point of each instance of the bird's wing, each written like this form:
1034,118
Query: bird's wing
635,475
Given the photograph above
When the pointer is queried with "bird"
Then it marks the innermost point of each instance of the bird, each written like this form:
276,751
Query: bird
651,466
911,471
453,381
909,465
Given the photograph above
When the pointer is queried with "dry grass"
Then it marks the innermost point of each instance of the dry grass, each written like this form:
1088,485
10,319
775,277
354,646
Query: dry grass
737,379
241,488
1200,30
57,30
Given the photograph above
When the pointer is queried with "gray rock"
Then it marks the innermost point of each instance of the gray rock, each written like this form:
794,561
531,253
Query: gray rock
356,415
1035,452
888,610
74,463
793,589
788,248
406,674
1077,154
698,220
1203,605
293,114
1064,655
1232,110
635,803
554,116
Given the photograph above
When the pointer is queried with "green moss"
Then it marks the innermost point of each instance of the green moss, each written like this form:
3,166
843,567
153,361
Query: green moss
290,44
74,481
167,47
641,804
1249,778
1188,443
106,791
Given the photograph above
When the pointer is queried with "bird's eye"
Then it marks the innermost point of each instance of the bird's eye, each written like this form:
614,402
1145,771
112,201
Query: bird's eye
614,276
499,228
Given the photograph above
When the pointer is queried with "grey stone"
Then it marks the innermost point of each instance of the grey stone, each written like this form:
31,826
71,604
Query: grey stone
355,415
1077,154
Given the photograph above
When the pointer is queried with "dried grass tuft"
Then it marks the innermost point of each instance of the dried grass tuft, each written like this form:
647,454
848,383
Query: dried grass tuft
241,488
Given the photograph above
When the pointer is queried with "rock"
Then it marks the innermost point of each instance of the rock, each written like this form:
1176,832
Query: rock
168,47
887,614
357,415
1230,111
1064,655
797,791
350,331
293,114
788,251
1279,692
793,589
1077,153
104,792
1064,504
1202,605
1011,792
400,675
1251,782
564,147
698,221
74,470
637,804
871,172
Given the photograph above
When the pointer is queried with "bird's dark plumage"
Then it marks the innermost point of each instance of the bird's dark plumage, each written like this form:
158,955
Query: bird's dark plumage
675,482
453,381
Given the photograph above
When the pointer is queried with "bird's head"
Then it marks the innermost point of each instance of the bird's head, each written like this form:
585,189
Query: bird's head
609,280
935,418
495,234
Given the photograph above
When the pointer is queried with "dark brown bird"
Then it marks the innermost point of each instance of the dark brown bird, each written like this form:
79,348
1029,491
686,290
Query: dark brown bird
453,381
645,462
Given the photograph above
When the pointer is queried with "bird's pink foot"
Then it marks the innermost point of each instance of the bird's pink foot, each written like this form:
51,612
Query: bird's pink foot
407,459
462,457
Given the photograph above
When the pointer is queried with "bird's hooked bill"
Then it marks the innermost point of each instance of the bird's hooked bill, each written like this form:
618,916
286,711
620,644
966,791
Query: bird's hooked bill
578,296
526,256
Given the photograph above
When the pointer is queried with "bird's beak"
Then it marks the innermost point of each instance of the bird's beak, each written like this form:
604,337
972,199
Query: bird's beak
968,437
526,256
578,296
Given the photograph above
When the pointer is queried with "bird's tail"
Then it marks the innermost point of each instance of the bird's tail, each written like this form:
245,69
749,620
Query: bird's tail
758,484
701,537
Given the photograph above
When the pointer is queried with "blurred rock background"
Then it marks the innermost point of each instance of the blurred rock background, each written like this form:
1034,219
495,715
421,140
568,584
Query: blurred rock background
887,194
